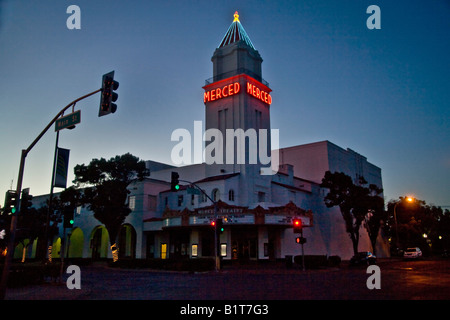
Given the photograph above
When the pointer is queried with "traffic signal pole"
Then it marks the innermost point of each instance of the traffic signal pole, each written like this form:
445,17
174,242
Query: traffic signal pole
10,247
216,237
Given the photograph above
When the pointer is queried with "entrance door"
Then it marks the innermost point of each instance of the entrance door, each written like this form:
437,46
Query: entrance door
244,244
179,240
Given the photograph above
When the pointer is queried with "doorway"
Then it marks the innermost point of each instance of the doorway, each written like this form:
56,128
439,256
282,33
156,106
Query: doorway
244,244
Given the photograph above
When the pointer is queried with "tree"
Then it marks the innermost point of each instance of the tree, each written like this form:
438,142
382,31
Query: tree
419,225
376,215
356,203
106,192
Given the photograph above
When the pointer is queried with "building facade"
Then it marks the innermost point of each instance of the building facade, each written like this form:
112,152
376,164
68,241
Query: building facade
256,209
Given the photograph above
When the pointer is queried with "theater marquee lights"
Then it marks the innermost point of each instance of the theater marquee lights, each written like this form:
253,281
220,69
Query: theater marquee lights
235,88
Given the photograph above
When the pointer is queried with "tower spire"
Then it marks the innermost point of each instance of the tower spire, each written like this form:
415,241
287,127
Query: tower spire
235,33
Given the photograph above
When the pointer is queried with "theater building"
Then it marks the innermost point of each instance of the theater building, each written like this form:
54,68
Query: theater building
256,209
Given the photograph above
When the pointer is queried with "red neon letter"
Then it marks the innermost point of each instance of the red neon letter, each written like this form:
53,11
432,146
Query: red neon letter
237,87
223,91
230,90
206,97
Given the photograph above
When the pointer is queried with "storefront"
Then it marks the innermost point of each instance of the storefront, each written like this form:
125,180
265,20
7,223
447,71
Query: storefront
246,234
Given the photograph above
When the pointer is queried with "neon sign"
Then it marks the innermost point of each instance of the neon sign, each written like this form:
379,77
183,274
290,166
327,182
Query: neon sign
258,93
234,88
219,93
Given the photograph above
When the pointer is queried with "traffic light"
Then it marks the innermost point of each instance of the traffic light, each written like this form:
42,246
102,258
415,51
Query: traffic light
10,202
297,224
219,225
108,96
26,200
213,223
300,240
68,217
175,183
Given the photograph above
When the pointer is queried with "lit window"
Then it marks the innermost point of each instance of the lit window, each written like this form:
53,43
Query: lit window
132,202
223,249
195,250
163,250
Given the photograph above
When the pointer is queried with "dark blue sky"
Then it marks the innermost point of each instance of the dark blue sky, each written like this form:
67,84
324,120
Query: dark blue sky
383,93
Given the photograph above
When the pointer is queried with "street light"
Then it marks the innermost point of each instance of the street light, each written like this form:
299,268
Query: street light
408,199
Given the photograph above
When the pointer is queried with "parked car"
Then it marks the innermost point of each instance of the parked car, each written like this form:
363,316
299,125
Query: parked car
363,258
412,253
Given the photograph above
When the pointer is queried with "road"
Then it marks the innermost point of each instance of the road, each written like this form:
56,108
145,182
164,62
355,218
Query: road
407,280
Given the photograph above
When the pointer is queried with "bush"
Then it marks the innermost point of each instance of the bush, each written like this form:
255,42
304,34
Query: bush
318,261
334,261
31,273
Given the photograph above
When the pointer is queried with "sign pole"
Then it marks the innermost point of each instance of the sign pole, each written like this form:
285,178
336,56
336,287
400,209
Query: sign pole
10,247
216,238
50,204
303,250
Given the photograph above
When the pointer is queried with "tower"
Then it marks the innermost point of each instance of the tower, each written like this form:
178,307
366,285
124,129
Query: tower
237,101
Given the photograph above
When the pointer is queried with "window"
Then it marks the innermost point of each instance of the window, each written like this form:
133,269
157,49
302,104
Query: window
151,203
216,195
163,250
195,250
261,196
231,195
223,249
258,120
132,202
180,201
203,197
192,199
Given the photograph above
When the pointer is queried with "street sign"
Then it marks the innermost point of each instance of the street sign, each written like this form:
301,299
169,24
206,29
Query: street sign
68,121
191,190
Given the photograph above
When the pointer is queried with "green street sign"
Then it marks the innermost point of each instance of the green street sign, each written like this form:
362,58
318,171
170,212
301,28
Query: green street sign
191,190
68,121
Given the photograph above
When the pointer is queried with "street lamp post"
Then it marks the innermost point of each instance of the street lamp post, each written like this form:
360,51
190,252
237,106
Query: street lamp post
408,199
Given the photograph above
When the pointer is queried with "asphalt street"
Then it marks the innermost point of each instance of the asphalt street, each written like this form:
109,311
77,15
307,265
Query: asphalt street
406,280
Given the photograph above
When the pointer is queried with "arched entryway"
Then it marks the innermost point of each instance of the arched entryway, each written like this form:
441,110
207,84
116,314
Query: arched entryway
99,243
76,243
127,241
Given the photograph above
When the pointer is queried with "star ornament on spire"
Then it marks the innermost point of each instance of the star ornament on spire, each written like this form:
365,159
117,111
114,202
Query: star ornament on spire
236,17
